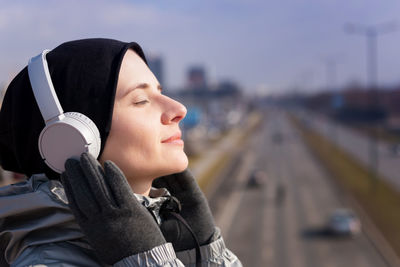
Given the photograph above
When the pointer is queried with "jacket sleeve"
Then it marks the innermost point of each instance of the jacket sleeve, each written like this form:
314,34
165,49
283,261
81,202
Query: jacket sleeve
214,254
56,254
67,255
163,256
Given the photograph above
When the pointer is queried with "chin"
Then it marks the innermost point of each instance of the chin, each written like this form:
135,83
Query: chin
178,164
183,164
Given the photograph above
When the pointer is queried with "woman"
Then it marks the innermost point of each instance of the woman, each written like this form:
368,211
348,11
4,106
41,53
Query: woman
111,210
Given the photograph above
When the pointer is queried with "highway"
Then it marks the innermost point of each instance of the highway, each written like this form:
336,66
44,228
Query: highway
281,223
359,146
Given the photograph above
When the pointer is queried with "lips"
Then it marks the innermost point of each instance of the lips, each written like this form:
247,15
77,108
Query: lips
174,139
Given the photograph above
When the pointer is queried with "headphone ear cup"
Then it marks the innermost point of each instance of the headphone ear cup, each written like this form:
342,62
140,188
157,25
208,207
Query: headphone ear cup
95,139
68,136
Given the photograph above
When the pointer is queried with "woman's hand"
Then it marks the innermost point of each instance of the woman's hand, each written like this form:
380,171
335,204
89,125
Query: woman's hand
115,223
194,209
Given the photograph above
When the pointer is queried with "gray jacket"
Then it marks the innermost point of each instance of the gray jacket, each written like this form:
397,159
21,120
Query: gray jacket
37,228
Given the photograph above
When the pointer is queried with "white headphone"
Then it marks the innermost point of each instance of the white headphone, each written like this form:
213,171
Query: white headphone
65,135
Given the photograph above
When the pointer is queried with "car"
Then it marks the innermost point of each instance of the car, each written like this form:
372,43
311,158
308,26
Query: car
257,179
344,222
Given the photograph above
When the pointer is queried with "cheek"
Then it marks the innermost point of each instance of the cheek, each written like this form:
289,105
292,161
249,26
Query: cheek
136,139
141,144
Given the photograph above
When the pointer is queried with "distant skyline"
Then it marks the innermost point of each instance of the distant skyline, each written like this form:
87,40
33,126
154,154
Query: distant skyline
265,46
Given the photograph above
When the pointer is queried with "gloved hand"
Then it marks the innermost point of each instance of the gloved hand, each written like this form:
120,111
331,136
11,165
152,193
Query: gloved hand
194,209
110,216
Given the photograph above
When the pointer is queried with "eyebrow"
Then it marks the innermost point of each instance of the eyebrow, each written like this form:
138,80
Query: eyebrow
141,86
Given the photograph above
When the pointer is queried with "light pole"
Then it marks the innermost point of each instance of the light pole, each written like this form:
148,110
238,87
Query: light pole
372,33
331,85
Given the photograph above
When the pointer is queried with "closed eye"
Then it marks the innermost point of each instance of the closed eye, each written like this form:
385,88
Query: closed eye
141,102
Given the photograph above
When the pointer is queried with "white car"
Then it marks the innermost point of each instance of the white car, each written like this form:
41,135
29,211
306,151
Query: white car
344,222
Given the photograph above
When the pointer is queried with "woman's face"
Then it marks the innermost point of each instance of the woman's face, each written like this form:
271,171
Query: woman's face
145,139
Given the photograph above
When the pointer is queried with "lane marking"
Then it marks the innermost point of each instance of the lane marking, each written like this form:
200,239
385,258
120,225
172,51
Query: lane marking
225,217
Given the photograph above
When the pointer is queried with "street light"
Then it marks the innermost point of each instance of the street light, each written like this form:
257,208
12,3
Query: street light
331,85
372,33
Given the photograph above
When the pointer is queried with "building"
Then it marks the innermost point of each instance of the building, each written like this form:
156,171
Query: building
196,78
155,63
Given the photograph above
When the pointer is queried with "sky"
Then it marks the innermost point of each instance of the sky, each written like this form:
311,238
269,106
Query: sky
266,47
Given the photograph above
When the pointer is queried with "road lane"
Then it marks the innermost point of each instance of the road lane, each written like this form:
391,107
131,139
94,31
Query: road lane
280,224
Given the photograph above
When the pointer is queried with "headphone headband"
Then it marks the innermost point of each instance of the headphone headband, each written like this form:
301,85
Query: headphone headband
65,135
43,88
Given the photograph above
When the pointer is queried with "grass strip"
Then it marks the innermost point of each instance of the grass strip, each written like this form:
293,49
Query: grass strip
209,175
379,199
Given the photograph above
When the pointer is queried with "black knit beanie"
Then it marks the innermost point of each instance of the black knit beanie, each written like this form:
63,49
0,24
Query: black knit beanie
85,75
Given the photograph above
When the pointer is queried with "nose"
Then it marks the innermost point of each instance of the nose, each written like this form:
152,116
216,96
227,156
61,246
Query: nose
174,112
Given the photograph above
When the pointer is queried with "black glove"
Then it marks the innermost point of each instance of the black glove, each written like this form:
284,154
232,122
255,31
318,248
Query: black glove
194,209
115,223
